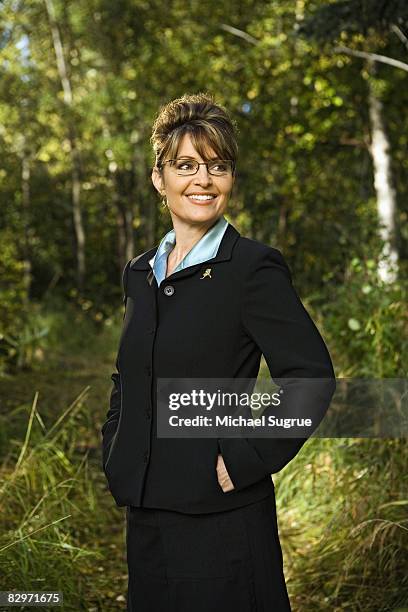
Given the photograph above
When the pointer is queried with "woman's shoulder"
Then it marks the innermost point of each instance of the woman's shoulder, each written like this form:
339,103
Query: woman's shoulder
254,252
146,255
259,264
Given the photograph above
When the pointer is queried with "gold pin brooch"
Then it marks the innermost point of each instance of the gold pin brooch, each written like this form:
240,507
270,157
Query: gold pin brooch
207,274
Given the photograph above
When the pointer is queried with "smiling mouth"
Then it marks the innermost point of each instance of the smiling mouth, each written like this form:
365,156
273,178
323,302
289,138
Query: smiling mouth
201,200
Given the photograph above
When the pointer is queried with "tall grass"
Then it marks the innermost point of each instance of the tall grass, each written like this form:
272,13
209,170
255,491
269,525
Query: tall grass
45,500
343,515
59,527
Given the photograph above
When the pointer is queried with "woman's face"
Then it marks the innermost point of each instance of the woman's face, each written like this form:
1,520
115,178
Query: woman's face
177,189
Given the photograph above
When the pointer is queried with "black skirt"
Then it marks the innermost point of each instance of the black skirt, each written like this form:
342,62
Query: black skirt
229,561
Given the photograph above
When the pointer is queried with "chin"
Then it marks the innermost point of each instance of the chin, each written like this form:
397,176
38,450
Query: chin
200,215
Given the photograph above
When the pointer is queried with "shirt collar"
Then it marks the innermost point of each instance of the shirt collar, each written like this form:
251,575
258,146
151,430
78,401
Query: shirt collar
204,249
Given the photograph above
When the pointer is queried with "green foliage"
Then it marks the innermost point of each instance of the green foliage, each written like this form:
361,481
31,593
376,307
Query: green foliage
56,520
343,522
354,16
12,302
302,113
44,496
367,323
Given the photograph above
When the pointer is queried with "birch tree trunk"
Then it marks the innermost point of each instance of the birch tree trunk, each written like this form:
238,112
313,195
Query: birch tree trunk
383,183
75,160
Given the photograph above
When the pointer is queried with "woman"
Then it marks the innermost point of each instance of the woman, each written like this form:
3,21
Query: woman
201,518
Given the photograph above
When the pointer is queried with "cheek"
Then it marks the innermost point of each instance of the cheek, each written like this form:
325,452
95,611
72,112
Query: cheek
226,196
175,187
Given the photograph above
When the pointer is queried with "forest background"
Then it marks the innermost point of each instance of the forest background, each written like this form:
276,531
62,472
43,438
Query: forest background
319,92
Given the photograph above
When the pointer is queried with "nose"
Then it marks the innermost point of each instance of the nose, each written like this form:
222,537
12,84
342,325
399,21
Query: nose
203,176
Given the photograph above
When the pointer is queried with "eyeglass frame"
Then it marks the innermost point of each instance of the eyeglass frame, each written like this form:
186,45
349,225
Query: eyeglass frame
161,164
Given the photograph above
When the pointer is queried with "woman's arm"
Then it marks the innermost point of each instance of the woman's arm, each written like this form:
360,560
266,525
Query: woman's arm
275,318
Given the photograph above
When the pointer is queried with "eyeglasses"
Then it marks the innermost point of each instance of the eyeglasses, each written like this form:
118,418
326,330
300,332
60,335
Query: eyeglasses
185,166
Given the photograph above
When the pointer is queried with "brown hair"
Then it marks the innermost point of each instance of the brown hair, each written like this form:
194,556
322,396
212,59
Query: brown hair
207,122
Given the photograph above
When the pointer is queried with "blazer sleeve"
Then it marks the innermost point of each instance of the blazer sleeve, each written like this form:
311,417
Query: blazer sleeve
112,417
276,320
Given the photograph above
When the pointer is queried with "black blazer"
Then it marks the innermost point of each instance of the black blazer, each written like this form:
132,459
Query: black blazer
194,327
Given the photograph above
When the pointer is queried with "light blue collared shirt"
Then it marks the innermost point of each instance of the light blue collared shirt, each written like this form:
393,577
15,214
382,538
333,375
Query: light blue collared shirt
206,248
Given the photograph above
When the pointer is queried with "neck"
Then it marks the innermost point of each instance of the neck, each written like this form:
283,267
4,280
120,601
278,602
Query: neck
187,236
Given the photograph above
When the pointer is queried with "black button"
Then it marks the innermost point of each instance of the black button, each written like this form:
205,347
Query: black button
148,370
148,415
168,290
145,457
151,330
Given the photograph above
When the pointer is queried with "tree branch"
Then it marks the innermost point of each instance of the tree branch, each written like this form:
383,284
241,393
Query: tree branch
239,33
400,34
373,56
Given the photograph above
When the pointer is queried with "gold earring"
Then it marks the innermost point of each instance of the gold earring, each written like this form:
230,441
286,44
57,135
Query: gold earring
164,199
